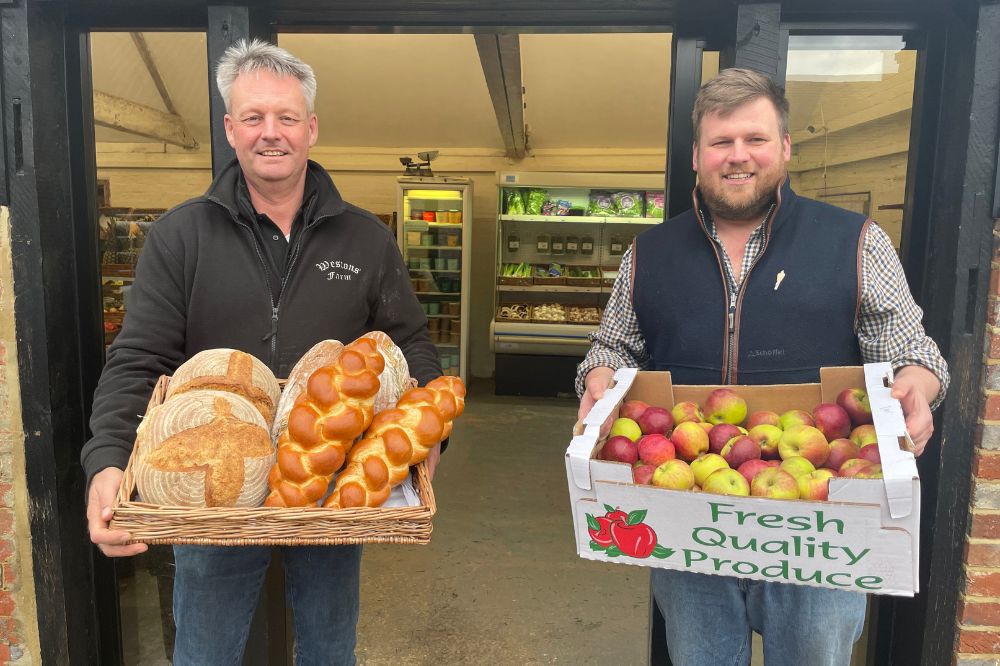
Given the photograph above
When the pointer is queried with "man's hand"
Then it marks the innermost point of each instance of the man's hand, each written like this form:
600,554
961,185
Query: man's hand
596,382
916,387
103,489
433,458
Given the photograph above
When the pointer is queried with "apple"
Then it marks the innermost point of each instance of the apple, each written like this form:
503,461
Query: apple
720,434
726,482
739,450
752,468
805,441
620,449
775,483
794,417
870,453
767,437
633,409
704,465
690,440
643,474
855,403
841,450
655,449
832,420
853,467
797,466
725,406
656,420
870,472
815,485
763,418
686,411
706,426
675,475
627,428
864,434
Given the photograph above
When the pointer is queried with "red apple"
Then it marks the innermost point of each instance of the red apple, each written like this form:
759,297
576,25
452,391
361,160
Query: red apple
706,426
767,437
794,417
841,450
831,420
633,409
655,420
774,483
763,418
725,406
704,465
855,403
853,467
675,475
620,449
870,453
739,450
655,449
643,474
726,482
870,472
797,466
720,434
805,441
864,435
686,411
752,468
690,440
815,485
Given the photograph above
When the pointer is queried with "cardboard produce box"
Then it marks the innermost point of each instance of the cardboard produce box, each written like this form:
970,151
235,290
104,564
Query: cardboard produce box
865,538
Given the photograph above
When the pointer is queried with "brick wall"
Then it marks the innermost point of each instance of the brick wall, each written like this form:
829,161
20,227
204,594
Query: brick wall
979,612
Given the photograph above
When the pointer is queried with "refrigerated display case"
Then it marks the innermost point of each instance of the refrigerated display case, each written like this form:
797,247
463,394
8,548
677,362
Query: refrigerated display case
434,214
560,239
122,233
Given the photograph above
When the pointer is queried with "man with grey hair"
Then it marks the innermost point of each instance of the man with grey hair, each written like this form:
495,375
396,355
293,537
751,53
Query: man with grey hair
756,285
270,261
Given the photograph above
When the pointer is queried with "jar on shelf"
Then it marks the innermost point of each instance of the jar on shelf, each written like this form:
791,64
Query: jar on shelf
455,216
572,244
558,244
586,244
616,246
542,243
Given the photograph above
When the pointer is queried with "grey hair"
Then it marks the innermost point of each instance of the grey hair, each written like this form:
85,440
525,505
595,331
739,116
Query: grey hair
733,88
254,55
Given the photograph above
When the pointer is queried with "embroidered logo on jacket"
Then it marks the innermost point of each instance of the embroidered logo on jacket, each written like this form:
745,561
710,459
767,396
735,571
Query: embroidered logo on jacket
338,270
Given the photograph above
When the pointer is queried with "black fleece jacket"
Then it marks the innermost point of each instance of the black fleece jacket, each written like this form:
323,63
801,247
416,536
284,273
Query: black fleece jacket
202,282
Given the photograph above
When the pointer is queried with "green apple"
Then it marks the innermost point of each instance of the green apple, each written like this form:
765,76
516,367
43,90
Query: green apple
705,464
797,466
627,428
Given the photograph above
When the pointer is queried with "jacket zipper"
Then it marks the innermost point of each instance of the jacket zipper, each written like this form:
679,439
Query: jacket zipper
725,285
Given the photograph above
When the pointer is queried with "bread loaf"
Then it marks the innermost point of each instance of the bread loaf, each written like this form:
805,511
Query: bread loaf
322,353
228,370
395,377
203,448
397,439
327,417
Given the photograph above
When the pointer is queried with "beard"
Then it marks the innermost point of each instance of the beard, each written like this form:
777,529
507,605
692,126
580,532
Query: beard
722,203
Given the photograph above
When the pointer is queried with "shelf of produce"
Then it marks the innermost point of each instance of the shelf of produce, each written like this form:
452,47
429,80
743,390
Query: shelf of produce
549,290
582,219
423,224
433,247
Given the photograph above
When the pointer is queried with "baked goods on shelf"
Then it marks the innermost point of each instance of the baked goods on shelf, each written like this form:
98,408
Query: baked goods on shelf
583,315
514,312
549,312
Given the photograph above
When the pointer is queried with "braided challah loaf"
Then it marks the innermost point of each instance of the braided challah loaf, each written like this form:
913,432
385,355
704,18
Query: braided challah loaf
328,416
397,439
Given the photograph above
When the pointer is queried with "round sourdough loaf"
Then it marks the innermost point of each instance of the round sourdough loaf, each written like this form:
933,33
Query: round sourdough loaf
228,370
395,377
321,354
203,448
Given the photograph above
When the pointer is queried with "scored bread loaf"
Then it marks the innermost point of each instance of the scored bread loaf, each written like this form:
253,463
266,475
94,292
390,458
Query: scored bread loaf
326,418
395,377
325,352
228,370
203,448
397,439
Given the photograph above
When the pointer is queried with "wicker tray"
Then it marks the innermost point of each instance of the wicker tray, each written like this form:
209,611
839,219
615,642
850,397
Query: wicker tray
155,524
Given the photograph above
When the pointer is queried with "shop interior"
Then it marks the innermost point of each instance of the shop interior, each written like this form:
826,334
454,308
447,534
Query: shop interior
508,250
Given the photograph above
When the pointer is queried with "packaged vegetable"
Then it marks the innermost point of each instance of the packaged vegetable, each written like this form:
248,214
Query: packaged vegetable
600,203
654,204
627,204
535,201
515,203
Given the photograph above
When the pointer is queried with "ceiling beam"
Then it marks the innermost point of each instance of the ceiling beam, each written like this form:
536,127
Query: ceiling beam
893,103
154,73
127,116
500,56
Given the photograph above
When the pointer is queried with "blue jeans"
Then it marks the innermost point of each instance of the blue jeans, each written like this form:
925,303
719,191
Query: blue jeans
216,592
709,620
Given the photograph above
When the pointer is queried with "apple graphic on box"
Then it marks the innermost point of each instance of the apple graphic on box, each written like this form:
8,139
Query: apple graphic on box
855,402
720,434
767,437
815,485
870,453
655,449
675,475
633,409
686,411
752,468
853,467
841,450
627,428
832,420
871,472
602,535
797,466
726,482
620,449
775,483
794,417
637,540
739,450
704,465
656,420
690,440
763,418
864,435
805,441
643,474
725,405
